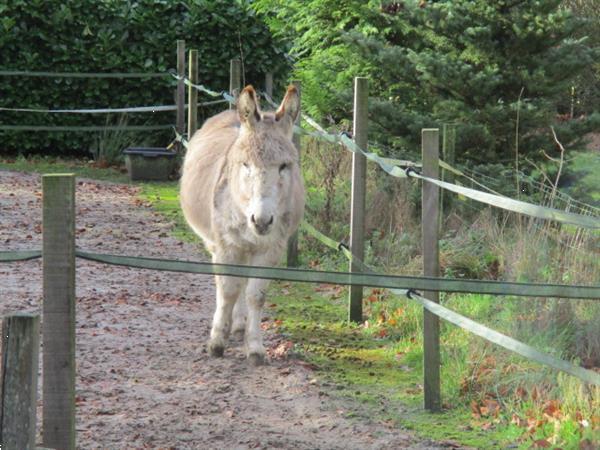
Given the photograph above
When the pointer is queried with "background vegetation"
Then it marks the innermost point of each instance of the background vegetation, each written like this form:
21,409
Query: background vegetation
498,69
119,36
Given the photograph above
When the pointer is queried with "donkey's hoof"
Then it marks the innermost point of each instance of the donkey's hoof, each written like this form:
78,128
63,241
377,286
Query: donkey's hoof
256,359
216,349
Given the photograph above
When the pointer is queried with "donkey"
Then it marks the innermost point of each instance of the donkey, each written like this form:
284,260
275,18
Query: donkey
243,194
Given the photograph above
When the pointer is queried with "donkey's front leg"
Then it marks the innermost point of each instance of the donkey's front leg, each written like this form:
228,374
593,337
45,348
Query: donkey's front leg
255,300
228,291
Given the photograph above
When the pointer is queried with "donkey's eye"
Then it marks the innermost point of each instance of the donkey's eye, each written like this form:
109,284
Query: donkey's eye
283,167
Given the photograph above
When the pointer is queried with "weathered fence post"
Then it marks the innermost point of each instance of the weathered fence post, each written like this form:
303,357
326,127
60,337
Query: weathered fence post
430,218
58,325
292,247
359,175
235,80
180,97
269,84
20,347
193,94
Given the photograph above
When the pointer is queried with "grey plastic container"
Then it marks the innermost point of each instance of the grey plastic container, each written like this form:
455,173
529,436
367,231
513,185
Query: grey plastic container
149,163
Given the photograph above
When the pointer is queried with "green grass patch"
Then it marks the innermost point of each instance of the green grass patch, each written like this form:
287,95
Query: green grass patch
81,168
164,198
371,365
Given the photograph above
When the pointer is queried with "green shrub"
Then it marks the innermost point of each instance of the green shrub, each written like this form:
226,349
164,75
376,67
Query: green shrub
117,36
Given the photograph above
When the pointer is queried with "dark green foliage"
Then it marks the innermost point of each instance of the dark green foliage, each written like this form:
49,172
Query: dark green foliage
119,36
477,64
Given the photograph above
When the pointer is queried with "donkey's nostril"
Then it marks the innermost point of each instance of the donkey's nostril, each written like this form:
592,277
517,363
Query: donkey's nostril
253,219
270,221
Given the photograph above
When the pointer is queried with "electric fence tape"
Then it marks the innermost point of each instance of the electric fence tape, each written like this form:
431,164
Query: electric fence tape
470,325
85,128
358,278
133,109
25,73
389,165
349,278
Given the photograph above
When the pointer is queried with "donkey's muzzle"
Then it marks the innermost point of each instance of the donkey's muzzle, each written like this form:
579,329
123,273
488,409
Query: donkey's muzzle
261,224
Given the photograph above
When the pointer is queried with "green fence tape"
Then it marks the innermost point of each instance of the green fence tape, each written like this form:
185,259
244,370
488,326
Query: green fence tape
226,96
504,341
374,280
134,109
354,278
509,204
472,326
25,73
24,255
392,167
84,128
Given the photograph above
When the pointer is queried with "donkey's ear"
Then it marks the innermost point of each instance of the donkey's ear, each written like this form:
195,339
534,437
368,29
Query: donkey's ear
290,106
247,106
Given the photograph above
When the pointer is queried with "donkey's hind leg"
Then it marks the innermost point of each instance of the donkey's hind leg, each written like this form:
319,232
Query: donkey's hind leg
240,312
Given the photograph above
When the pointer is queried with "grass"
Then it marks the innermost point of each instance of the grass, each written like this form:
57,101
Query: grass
491,398
371,365
82,168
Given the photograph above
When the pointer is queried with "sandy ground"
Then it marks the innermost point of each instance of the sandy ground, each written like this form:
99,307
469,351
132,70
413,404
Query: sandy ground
144,379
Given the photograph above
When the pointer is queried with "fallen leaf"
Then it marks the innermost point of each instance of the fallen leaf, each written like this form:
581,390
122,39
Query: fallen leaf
586,444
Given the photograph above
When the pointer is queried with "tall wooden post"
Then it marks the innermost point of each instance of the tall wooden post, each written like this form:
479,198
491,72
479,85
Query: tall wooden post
269,84
292,246
58,262
430,218
193,94
180,96
20,349
359,177
235,80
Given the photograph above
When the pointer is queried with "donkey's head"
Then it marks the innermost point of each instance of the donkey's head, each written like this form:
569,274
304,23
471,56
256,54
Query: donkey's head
264,160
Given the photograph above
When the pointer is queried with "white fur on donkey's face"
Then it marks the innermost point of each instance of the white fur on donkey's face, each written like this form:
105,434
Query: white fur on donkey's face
266,188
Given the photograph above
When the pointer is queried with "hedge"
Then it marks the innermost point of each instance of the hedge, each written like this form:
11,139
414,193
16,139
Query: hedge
118,36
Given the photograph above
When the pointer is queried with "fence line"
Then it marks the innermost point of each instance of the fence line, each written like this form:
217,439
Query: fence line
85,128
367,277
27,73
133,109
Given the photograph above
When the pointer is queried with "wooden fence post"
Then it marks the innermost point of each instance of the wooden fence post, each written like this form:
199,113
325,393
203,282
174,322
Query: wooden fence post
292,246
235,80
180,96
58,325
359,176
193,94
20,347
430,220
269,84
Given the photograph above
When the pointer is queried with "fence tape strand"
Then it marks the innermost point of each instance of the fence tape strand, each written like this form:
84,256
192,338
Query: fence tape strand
474,327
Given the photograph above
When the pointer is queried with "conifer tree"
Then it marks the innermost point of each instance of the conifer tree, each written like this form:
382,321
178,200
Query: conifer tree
500,69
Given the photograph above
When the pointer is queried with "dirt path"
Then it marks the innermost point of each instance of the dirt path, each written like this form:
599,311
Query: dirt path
144,379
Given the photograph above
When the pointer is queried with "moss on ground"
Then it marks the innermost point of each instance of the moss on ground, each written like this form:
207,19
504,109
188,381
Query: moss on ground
374,372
